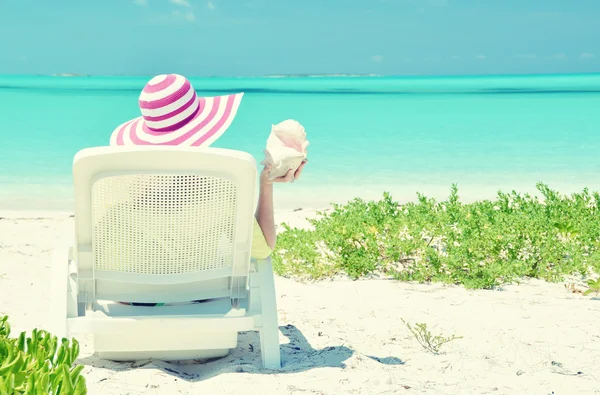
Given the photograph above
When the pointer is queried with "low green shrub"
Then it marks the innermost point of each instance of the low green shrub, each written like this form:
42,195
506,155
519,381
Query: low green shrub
38,365
480,245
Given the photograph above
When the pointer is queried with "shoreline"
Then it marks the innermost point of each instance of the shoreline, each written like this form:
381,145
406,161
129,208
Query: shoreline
299,196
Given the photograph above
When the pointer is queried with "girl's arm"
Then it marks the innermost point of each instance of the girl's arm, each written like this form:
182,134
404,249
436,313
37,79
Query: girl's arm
265,215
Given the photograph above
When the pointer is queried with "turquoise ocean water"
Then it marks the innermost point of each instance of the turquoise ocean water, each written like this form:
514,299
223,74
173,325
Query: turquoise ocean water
367,134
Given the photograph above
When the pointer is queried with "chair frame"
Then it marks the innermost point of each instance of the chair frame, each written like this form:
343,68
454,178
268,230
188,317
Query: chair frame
194,331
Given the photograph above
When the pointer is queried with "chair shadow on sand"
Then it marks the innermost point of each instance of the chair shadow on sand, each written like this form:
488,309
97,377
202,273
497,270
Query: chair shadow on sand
296,356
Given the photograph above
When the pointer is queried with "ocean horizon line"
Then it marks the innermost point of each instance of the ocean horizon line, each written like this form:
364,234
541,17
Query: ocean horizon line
317,75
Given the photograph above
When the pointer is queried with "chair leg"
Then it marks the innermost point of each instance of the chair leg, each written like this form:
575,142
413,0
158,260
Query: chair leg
59,293
269,332
269,346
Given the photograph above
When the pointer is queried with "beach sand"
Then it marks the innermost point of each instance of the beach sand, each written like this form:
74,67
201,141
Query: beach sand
345,337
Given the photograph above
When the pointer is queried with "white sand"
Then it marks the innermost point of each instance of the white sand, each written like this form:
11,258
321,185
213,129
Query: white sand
347,337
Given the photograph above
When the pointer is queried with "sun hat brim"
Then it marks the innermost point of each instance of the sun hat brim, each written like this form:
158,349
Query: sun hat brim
214,116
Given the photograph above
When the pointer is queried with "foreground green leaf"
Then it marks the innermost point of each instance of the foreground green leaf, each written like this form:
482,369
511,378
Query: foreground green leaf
33,365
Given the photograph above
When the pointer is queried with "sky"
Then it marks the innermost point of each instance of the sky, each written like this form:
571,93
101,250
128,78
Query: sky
267,37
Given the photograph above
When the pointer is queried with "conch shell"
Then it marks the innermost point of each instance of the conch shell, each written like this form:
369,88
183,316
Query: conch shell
286,148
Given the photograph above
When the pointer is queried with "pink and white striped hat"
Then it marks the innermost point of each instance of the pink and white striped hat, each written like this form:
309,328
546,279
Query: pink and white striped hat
173,114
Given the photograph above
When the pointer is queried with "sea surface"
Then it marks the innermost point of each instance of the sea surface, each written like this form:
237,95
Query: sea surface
367,134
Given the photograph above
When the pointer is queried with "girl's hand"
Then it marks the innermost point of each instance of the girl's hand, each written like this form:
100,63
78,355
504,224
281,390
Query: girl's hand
291,175
299,169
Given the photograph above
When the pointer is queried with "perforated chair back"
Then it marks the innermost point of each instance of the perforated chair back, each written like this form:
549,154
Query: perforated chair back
158,224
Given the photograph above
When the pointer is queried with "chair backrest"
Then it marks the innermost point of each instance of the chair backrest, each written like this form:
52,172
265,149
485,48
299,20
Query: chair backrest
163,224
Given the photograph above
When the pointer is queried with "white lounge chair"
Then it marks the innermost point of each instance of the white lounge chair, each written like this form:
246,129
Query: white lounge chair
160,224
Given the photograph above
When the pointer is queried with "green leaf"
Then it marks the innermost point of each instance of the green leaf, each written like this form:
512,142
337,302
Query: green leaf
20,378
43,385
12,366
66,386
30,387
80,386
74,350
21,342
51,348
7,384
593,284
60,355
4,327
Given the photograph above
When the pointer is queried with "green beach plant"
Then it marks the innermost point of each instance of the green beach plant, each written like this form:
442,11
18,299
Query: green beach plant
593,287
479,245
38,365
426,339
